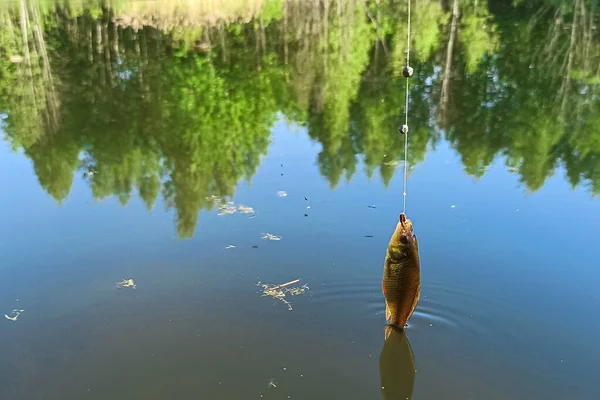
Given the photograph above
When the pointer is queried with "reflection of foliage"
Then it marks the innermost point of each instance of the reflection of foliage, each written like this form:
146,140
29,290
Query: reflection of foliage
27,88
524,102
185,111
477,34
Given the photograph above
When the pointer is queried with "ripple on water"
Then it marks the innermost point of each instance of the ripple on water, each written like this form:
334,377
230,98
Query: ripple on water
442,305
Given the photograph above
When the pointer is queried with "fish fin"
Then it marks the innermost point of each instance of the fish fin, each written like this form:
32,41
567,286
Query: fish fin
388,313
415,303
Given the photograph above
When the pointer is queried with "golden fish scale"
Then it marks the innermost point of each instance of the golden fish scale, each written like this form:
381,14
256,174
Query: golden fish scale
402,276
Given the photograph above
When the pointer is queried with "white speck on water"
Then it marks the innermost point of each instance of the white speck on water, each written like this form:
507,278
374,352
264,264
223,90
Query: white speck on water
370,356
452,206
561,360
430,324
284,368
282,193
219,382
307,207
270,236
517,210
301,376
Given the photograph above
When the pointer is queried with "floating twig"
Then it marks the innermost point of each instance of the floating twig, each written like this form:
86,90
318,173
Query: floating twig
279,292
15,314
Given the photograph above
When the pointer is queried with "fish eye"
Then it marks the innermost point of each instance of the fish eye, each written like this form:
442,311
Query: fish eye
403,239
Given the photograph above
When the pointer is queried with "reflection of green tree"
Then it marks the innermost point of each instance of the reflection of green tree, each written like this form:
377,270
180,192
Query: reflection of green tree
147,110
27,88
144,113
525,102
222,129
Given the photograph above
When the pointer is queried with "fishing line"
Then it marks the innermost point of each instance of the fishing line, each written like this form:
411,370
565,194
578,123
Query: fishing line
407,73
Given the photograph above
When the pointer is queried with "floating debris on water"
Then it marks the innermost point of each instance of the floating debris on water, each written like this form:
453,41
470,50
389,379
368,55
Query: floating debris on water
230,247
126,283
255,247
227,209
305,198
372,206
272,383
306,215
369,236
281,193
279,292
245,209
13,315
270,236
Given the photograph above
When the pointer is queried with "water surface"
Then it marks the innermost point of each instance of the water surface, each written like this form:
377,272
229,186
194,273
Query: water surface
127,125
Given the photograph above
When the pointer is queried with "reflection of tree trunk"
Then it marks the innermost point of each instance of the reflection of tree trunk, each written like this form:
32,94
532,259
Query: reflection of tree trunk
51,97
285,28
106,47
257,49
571,54
447,69
223,44
377,29
341,26
263,40
115,33
325,35
24,16
90,41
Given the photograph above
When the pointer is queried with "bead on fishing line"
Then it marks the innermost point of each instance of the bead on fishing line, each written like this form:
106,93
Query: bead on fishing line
407,72
403,129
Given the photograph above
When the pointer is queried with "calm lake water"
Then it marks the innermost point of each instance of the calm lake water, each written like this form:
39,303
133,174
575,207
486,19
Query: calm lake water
136,136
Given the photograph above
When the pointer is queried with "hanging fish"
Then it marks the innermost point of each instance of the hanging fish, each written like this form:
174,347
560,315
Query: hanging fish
401,274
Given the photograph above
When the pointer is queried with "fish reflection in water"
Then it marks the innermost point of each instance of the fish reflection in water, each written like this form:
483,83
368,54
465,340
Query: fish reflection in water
396,365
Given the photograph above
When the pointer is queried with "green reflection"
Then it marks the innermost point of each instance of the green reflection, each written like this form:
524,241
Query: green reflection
177,98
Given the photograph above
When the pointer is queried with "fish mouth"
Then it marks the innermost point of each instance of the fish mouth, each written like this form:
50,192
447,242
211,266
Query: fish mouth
407,226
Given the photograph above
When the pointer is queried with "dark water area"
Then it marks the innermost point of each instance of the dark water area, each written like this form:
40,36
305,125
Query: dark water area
203,148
